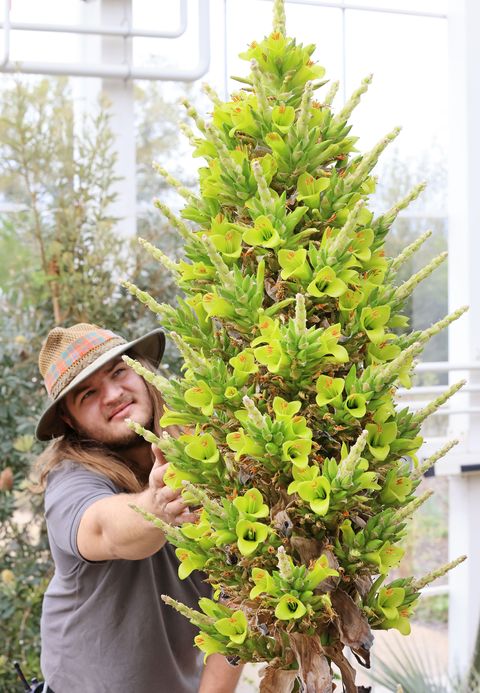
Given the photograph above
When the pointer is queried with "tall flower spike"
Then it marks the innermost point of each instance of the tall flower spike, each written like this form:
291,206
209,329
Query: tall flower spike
254,414
430,577
432,407
212,94
369,160
263,189
178,224
143,432
408,510
389,217
392,369
160,256
202,498
193,114
429,462
409,251
331,94
230,166
347,466
196,617
441,324
217,261
192,358
279,17
257,80
304,112
189,134
354,100
158,381
145,298
344,238
300,315
172,533
284,565
175,183
405,289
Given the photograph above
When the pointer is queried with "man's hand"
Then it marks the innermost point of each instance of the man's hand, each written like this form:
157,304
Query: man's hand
166,503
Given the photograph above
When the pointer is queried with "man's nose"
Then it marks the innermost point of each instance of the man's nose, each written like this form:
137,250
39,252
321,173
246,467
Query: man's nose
111,391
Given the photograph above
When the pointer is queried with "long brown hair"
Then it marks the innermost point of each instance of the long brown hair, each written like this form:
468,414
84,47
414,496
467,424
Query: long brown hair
96,456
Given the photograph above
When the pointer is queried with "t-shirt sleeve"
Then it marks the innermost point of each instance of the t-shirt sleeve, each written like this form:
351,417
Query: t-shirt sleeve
70,491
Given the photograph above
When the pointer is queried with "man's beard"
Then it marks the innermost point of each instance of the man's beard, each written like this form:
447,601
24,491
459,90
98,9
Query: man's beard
128,441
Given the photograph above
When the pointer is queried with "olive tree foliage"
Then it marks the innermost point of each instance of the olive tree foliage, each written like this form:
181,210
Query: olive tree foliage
62,263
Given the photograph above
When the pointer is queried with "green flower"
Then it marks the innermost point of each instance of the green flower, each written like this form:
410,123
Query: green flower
360,246
203,448
289,607
283,117
388,601
379,438
196,270
278,146
320,572
297,451
326,283
174,478
284,410
250,535
209,645
229,245
317,493
242,444
379,353
350,300
309,189
356,404
189,561
272,356
234,627
396,488
269,329
388,557
213,608
243,366
294,264
331,347
173,418
373,321
217,307
264,583
201,397
251,504
262,234
329,390
243,119
297,428
196,304
301,474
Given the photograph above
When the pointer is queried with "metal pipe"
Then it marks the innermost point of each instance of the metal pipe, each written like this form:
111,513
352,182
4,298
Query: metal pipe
123,32
125,71
446,366
368,8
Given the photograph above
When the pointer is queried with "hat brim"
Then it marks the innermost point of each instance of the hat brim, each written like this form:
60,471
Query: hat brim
150,346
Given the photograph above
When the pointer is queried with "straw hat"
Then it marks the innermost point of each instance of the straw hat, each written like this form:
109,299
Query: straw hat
70,355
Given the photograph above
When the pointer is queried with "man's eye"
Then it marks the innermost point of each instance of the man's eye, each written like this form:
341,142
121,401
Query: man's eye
119,370
86,394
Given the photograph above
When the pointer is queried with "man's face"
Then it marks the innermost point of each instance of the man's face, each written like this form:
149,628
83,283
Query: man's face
98,407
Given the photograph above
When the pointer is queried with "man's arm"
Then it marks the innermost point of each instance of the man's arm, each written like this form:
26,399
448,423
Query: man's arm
219,676
110,529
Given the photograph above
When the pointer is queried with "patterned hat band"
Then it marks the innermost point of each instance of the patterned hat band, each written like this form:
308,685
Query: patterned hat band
67,352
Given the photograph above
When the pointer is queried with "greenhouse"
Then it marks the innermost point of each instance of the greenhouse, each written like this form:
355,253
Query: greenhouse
239,336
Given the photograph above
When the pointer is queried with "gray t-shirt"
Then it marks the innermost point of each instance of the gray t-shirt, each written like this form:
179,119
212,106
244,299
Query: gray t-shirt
104,626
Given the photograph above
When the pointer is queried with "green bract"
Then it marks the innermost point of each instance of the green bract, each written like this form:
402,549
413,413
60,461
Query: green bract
294,343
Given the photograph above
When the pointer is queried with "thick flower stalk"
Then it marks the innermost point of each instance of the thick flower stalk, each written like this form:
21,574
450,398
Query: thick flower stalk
302,466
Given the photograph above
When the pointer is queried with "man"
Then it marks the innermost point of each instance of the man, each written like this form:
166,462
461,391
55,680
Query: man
104,626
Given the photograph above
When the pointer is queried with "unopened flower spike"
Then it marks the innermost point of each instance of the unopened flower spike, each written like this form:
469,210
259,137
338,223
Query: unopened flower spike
369,160
410,250
433,459
405,289
354,100
432,407
159,255
179,187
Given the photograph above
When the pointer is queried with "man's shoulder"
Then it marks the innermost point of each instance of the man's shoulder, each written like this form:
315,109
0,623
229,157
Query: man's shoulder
71,471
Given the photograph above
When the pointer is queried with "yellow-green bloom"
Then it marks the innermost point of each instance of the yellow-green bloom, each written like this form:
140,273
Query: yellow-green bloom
251,504
243,366
262,234
189,561
317,493
310,188
201,397
321,571
217,307
396,488
284,410
283,117
234,627
356,404
272,356
373,321
264,583
173,418
203,448
329,390
294,264
269,330
297,451
388,601
379,438
242,444
388,557
250,535
289,607
209,645
174,478
327,283
301,474
195,270
350,300
229,244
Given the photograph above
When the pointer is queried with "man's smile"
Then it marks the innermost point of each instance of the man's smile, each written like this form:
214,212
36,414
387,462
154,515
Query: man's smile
121,411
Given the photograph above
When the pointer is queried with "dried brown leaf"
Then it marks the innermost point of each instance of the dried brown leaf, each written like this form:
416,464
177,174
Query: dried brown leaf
346,670
307,549
352,625
277,680
313,667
